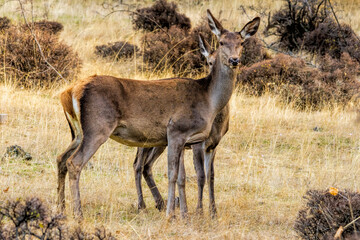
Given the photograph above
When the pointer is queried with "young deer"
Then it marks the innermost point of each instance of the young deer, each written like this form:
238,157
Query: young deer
174,112
145,157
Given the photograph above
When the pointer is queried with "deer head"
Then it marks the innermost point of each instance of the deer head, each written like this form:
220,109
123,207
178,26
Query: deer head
231,42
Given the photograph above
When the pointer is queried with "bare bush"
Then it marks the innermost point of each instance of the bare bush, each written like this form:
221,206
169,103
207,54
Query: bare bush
22,59
310,26
48,26
253,52
31,219
4,23
175,50
325,213
294,81
116,50
294,19
332,39
161,14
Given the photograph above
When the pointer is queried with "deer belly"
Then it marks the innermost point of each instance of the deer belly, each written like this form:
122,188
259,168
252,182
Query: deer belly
139,138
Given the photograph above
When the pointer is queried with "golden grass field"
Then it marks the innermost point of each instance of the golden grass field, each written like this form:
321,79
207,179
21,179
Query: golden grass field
267,161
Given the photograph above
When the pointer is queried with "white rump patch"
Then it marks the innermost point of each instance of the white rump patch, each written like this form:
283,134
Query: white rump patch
76,107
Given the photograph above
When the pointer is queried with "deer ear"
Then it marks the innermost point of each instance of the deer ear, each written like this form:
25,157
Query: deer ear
215,25
204,48
250,28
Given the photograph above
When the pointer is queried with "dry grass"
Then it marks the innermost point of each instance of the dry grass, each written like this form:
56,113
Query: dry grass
268,160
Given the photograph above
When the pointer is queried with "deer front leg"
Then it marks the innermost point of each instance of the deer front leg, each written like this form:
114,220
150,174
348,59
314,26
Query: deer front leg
175,149
198,158
209,168
181,185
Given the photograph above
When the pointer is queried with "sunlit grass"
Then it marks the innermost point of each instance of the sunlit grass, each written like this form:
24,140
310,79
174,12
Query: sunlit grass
269,158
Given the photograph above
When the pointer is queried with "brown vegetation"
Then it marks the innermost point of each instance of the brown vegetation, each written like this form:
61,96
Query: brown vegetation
332,39
175,50
22,59
325,212
311,26
31,219
306,86
294,19
4,23
48,26
116,50
161,15
175,46
253,52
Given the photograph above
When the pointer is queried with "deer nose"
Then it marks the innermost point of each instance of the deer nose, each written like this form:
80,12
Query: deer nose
234,61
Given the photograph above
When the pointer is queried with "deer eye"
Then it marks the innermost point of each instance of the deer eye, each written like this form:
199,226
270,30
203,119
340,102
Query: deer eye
221,43
210,63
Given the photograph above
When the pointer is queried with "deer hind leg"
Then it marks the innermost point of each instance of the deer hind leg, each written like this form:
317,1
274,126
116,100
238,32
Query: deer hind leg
139,163
198,158
62,171
94,135
147,173
210,174
61,165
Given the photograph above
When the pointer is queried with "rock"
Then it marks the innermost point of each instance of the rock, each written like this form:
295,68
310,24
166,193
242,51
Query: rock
16,151
3,117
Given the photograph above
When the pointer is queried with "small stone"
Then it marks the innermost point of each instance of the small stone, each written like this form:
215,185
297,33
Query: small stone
16,151
317,129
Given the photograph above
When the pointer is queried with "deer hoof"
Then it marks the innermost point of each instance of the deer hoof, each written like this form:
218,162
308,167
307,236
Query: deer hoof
160,205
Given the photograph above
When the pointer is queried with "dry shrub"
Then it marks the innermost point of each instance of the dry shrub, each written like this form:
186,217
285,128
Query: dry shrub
48,26
272,74
294,81
171,44
28,218
31,219
309,25
161,14
329,38
4,23
168,50
176,49
116,50
324,213
294,19
345,67
253,52
21,58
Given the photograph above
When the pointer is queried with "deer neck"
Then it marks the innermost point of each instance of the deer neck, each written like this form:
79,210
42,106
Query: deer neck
222,84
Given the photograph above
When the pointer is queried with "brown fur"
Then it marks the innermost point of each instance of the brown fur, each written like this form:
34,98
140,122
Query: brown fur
173,112
66,101
145,157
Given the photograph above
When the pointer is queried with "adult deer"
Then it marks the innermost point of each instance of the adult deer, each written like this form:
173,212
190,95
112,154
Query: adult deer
174,112
145,157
